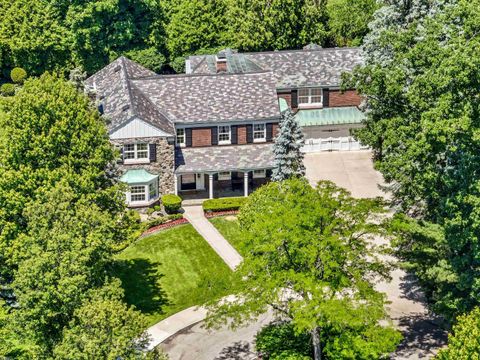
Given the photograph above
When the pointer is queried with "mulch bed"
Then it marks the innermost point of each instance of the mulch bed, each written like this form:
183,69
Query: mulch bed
167,225
213,214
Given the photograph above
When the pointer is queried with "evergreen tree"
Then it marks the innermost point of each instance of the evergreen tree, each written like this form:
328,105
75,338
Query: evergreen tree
288,149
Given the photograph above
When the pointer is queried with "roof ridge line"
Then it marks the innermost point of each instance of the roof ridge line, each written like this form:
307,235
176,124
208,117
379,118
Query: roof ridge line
153,77
129,90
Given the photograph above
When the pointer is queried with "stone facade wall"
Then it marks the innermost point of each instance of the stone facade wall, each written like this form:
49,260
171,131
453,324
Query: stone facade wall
201,137
348,98
163,166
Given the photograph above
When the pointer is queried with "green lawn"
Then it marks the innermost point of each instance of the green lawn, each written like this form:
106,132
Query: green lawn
171,271
229,227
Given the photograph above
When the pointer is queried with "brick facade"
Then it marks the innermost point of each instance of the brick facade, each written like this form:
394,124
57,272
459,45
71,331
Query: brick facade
275,130
201,137
242,134
348,98
287,97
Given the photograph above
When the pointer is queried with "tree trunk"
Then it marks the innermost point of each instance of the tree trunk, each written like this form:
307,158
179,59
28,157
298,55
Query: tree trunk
317,347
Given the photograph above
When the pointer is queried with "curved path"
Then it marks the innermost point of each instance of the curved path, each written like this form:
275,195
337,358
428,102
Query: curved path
422,333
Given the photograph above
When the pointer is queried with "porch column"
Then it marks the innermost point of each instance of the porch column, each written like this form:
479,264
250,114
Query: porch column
175,180
210,186
245,183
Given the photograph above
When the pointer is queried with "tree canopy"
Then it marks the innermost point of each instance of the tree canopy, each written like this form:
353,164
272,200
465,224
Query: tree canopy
420,80
61,35
62,219
308,253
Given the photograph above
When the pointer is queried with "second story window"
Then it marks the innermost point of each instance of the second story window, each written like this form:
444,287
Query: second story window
135,152
181,137
259,133
312,96
224,136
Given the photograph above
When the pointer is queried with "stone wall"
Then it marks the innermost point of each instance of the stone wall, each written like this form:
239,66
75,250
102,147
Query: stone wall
163,166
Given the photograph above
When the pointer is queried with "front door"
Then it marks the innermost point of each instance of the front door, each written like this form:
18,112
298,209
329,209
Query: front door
200,181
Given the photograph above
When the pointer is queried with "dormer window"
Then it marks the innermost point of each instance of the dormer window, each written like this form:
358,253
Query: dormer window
259,133
310,97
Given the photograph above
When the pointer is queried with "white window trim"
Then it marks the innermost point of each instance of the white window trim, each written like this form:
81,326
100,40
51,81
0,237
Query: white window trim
259,174
224,177
146,191
224,142
184,143
309,103
136,160
259,140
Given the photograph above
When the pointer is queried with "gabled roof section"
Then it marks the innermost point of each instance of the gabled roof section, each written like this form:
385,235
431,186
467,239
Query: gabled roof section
212,97
312,66
121,102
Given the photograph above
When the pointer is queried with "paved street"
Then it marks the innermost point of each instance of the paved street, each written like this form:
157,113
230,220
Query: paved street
354,171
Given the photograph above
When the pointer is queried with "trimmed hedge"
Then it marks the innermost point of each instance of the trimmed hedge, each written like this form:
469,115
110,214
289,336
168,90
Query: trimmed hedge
161,220
7,90
18,75
172,203
224,204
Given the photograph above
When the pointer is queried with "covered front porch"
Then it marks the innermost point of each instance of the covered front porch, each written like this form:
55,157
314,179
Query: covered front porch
222,171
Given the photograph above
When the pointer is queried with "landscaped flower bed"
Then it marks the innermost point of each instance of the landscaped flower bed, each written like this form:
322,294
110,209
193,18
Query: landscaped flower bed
167,225
212,214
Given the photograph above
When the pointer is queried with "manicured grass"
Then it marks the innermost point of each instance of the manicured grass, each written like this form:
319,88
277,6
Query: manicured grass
229,227
171,271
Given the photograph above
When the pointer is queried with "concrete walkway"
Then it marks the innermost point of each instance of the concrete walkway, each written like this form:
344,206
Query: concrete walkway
222,247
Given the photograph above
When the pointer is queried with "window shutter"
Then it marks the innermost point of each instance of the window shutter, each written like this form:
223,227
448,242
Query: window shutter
326,97
269,132
268,173
233,130
215,177
250,133
188,137
214,135
153,152
120,158
294,99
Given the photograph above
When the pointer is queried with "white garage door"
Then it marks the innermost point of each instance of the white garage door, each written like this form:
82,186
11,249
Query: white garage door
332,144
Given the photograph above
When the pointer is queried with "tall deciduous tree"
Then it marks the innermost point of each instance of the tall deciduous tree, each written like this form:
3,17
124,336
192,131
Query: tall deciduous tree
103,327
464,342
348,20
288,149
308,253
102,30
421,80
49,132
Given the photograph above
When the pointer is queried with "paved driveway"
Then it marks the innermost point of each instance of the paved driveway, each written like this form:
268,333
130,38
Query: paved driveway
351,170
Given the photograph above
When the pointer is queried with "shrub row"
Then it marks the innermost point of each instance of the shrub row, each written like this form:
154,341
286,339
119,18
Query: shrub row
172,203
223,204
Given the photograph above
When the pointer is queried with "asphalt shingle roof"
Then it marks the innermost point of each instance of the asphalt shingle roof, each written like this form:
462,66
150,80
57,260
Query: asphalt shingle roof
224,158
121,101
292,68
212,98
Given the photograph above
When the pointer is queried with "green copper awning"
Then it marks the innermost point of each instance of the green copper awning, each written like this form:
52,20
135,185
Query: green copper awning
329,116
283,104
138,176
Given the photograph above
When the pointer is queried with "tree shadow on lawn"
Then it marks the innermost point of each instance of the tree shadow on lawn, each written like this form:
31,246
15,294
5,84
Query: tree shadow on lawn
141,283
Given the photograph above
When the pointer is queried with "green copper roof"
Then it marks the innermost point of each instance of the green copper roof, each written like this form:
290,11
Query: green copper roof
329,116
283,104
138,176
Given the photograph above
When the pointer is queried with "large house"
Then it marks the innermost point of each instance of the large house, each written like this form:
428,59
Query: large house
211,129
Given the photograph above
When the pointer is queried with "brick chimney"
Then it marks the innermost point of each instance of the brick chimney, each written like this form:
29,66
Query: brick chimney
221,62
